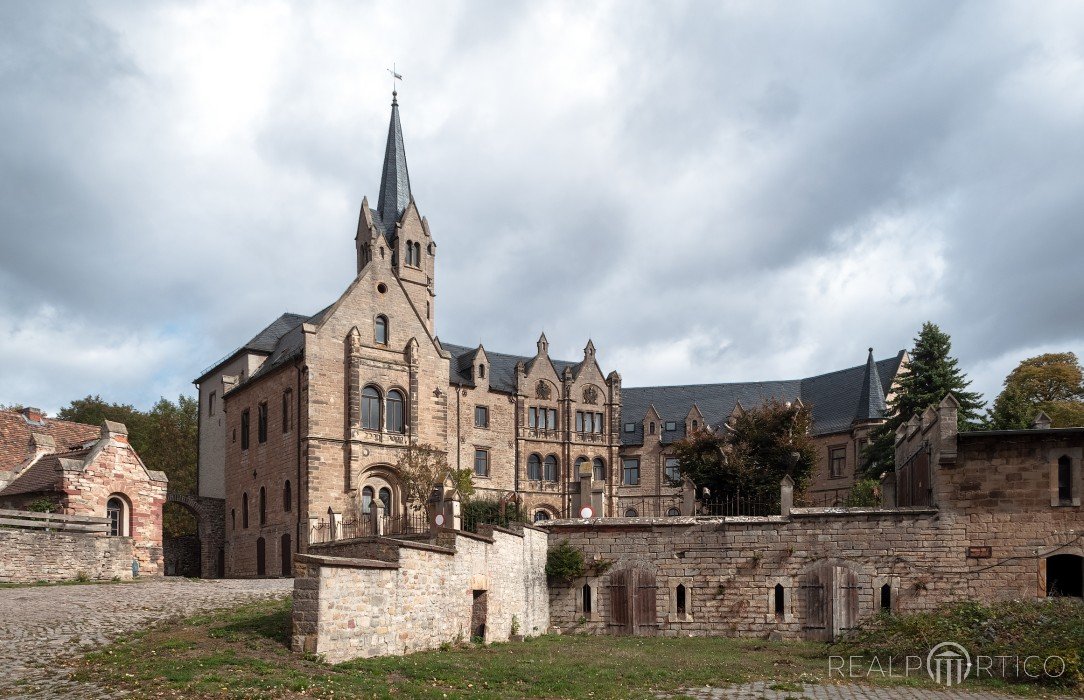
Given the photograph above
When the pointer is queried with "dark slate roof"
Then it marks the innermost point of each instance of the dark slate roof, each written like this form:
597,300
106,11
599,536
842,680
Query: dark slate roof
835,395
502,367
871,401
265,340
394,180
834,398
715,401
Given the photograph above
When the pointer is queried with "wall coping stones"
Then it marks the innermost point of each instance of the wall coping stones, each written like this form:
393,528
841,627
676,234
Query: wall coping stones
344,562
845,512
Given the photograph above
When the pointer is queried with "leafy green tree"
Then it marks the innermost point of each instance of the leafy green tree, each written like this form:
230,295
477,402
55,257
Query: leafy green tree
1052,383
931,372
753,453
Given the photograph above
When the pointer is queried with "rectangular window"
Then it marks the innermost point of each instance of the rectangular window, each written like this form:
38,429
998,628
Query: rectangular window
211,404
1065,479
598,423
244,429
532,417
671,426
579,421
481,462
630,473
261,422
837,461
551,419
673,471
286,410
481,416
630,427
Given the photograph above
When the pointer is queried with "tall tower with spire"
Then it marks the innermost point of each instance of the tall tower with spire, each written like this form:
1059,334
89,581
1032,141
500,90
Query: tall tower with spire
394,233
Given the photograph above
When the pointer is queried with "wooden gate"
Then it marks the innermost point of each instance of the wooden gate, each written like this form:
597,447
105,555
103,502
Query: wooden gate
830,601
632,602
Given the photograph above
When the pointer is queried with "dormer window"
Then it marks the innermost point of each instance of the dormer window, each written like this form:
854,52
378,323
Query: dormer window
630,427
671,426
481,371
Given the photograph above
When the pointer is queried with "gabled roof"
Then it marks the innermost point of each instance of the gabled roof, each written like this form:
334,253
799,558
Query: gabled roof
16,431
288,346
43,476
502,367
263,343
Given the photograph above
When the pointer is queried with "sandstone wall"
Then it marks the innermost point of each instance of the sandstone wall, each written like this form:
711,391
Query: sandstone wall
347,608
27,556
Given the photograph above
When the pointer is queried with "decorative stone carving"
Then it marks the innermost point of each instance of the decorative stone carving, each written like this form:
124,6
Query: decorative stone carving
590,394
542,390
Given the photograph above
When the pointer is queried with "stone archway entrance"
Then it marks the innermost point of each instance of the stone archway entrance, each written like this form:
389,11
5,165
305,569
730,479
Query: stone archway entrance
632,602
1065,576
210,529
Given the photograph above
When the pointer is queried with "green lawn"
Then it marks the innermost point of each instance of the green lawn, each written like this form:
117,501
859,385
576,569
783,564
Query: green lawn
242,653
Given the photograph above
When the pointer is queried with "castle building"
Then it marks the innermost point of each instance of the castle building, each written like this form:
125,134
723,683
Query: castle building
300,427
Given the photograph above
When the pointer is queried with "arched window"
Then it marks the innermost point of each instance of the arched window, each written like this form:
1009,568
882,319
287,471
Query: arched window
481,371
534,468
263,506
598,469
779,600
287,496
284,553
680,596
673,513
395,412
410,252
541,516
370,408
1065,479
549,468
586,599
886,598
380,334
385,498
651,427
580,461
244,510
418,254
367,494
631,513
694,425
116,509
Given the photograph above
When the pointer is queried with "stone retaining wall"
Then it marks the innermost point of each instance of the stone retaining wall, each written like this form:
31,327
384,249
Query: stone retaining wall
395,597
27,556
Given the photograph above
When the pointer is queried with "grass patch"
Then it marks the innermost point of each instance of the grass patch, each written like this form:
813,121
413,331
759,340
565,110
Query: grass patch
243,653
1015,629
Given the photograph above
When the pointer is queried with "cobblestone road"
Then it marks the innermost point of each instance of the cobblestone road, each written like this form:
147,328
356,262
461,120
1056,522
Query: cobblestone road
40,626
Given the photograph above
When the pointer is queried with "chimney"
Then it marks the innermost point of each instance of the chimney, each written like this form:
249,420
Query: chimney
33,415
43,444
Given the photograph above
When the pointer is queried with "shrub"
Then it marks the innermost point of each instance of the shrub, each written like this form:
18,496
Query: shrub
42,505
866,493
1015,629
565,563
486,511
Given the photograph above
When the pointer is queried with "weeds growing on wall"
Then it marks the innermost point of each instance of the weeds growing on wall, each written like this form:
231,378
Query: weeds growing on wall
565,563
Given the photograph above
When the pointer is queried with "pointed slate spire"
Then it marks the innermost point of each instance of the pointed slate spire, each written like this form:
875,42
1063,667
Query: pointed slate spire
871,402
394,180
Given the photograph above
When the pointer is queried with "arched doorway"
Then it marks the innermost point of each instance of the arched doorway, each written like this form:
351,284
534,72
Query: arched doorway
287,558
181,547
261,557
1065,576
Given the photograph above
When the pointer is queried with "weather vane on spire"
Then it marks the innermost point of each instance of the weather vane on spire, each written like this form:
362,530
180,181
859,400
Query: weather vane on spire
394,76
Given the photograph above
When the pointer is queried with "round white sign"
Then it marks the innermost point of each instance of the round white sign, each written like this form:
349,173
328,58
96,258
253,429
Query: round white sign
586,512
440,519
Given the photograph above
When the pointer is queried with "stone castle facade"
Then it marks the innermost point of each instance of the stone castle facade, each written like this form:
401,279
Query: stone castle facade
300,428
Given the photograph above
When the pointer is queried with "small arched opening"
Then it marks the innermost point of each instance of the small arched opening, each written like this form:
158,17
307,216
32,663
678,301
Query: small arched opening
780,601
261,557
586,598
680,603
284,551
886,598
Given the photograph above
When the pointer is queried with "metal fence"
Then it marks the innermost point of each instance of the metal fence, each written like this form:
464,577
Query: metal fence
648,506
738,505
368,524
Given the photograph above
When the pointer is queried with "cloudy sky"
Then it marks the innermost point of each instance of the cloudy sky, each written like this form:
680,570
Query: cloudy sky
711,191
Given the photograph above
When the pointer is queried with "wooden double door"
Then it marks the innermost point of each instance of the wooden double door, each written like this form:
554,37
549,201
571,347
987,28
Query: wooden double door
632,602
830,601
